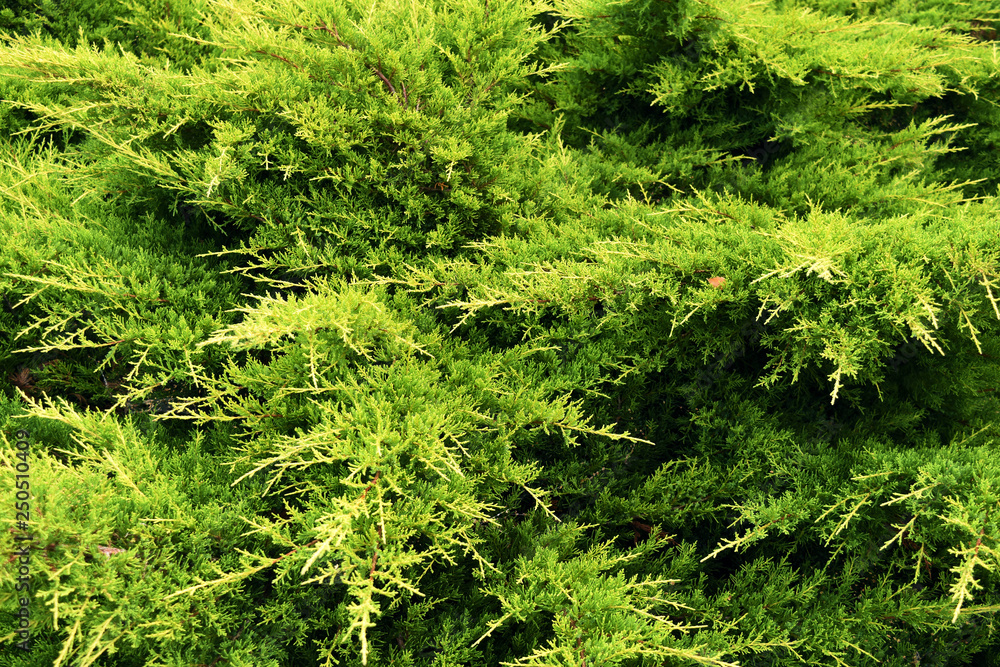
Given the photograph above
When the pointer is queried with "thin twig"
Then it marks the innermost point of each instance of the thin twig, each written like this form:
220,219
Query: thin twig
274,55
382,76
370,484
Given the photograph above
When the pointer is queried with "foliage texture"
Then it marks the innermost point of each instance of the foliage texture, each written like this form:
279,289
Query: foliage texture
494,332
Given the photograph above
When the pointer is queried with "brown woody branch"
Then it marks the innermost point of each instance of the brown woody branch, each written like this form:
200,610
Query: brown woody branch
336,35
281,58
386,81
371,484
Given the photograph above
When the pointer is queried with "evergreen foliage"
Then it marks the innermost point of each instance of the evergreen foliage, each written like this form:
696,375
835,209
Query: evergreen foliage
481,332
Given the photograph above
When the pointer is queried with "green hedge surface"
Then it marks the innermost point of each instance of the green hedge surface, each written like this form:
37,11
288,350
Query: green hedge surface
578,333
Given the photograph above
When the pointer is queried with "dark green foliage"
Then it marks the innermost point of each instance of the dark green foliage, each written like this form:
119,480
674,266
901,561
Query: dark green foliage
476,333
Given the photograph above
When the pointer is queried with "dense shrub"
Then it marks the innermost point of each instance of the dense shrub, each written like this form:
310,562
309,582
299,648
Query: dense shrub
477,333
